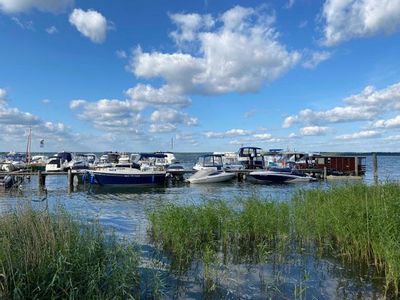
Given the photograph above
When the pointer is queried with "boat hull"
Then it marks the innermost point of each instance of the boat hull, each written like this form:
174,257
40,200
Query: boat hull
110,179
209,178
275,177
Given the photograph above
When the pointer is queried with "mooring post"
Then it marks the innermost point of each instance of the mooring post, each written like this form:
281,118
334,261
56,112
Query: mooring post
356,165
325,173
41,179
375,166
70,180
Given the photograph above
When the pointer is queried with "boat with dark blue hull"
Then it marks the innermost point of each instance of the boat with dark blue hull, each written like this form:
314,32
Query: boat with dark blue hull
128,177
278,175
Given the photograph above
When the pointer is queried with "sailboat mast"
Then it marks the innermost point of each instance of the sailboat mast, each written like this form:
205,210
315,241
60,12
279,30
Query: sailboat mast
28,146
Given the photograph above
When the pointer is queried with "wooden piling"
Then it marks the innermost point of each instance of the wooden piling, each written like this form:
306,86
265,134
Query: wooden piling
356,166
41,179
70,180
375,166
325,173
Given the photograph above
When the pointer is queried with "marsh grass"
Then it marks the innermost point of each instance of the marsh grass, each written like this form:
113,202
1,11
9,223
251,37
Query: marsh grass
52,255
245,232
358,222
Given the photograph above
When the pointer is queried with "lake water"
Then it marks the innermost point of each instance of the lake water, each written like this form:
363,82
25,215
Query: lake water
125,211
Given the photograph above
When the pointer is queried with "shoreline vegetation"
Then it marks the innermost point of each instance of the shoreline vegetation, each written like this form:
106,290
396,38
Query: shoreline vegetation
55,255
355,223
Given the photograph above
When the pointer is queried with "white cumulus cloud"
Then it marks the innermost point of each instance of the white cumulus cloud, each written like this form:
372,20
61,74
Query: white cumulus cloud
314,130
90,23
364,134
364,106
239,55
18,6
348,19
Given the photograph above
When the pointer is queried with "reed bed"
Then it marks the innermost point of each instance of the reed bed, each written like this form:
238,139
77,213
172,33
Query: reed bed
359,222
356,222
54,256
245,231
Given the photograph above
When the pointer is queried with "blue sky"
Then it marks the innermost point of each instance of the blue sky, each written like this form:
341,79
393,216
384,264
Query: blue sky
212,75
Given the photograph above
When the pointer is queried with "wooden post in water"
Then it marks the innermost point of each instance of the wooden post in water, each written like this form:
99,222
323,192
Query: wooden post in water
375,166
41,179
325,173
70,180
356,165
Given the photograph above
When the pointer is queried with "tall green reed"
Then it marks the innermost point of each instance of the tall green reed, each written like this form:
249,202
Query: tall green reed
51,255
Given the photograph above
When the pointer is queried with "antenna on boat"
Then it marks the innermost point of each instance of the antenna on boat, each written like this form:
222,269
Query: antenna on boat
172,143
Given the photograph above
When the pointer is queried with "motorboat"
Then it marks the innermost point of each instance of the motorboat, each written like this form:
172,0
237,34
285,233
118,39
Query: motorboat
169,158
278,175
59,162
128,177
38,162
91,158
209,161
147,161
230,160
6,181
210,170
108,160
13,161
210,176
251,158
80,162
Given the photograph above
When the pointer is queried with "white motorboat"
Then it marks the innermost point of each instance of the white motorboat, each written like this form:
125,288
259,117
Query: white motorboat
278,175
79,162
210,176
209,161
59,162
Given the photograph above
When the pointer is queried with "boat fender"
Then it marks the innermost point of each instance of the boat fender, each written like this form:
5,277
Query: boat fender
92,179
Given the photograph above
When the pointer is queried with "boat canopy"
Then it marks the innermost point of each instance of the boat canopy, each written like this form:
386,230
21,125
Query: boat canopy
211,160
250,151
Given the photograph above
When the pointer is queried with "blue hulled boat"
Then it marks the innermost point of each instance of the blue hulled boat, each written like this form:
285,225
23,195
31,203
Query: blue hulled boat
128,177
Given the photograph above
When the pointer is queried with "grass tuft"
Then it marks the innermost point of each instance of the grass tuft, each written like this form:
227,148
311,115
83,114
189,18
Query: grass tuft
48,256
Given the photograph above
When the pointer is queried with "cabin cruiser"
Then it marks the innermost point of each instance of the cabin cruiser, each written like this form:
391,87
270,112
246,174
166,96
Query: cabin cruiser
210,170
146,161
251,158
230,160
108,159
13,161
209,161
80,162
278,175
169,158
59,162
210,176
128,177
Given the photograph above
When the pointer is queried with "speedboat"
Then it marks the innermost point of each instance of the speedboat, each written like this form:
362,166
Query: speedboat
210,176
278,175
59,162
128,177
79,162
209,161
251,158
210,170
108,159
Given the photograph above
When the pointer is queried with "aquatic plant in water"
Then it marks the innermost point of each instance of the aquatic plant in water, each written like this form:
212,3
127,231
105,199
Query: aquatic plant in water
51,255
356,222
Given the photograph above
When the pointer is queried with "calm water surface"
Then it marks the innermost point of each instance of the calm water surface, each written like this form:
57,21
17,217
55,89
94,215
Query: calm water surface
125,211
